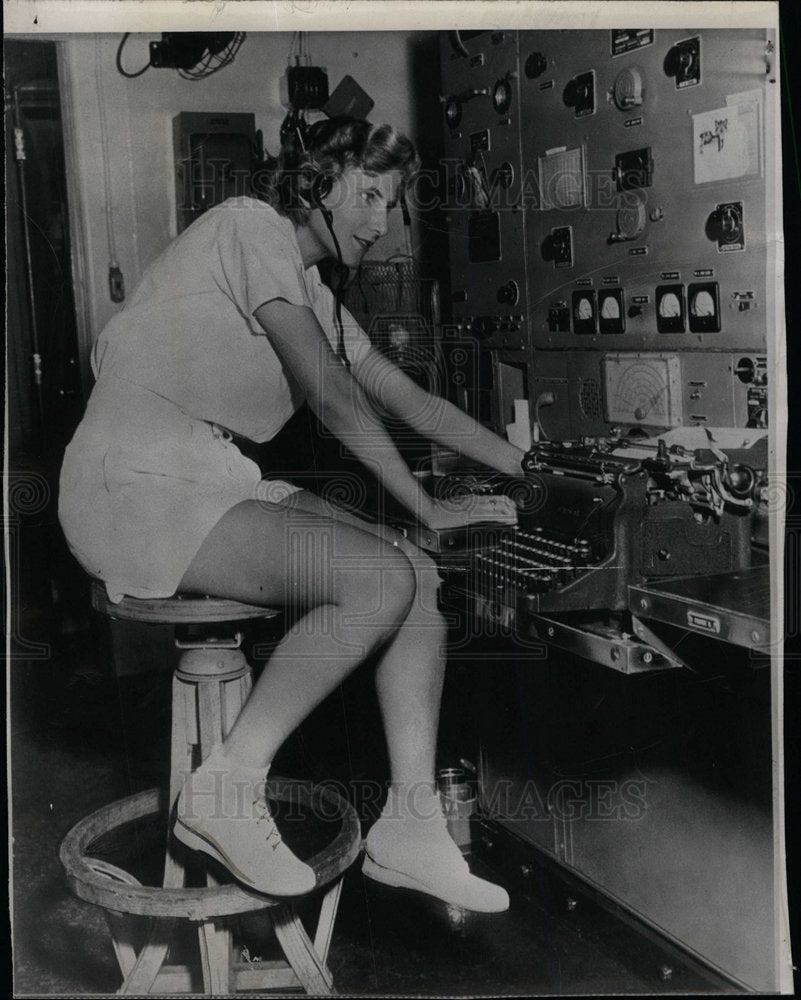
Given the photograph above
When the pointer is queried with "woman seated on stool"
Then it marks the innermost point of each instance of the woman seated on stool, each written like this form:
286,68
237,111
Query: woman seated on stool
230,330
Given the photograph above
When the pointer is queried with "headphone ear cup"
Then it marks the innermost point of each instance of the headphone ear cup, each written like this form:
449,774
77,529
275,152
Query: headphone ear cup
320,188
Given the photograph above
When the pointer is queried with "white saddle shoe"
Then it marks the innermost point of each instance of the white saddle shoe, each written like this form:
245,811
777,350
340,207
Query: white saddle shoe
222,811
422,856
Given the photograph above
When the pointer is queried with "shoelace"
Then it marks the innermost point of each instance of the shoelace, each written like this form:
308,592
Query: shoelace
273,838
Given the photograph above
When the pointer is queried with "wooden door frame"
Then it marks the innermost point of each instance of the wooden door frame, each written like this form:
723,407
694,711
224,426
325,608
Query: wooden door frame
78,238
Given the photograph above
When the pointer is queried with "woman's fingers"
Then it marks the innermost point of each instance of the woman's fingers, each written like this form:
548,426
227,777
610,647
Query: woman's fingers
487,508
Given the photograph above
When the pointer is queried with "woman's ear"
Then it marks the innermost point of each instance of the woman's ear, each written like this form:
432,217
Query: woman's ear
313,188
320,187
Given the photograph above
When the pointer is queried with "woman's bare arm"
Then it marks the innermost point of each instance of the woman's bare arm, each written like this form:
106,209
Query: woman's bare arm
342,405
432,417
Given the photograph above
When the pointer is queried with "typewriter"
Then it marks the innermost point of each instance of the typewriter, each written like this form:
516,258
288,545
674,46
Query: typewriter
595,518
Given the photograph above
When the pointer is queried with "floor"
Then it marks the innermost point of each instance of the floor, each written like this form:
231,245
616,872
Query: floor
81,736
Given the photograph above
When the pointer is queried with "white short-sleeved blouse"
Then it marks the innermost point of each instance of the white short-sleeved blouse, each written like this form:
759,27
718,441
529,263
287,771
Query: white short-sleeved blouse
151,468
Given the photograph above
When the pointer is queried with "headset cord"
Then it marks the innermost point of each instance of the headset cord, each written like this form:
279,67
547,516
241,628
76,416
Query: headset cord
341,272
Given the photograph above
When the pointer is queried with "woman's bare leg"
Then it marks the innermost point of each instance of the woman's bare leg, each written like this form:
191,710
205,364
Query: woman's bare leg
410,673
356,590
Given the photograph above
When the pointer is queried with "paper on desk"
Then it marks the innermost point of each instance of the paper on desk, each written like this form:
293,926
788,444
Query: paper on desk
725,438
519,432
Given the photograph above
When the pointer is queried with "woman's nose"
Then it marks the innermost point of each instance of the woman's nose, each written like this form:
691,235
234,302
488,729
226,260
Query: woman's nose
380,221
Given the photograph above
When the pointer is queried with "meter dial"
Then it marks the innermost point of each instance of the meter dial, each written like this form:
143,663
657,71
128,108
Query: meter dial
584,312
502,96
610,309
704,307
670,305
611,315
670,309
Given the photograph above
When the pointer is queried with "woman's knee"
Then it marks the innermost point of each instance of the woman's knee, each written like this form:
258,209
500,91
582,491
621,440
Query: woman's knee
427,582
380,582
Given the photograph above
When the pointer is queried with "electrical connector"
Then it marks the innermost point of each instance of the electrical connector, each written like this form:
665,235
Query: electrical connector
304,88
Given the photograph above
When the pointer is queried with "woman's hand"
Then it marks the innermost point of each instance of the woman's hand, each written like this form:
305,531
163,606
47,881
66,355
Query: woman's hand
461,511
509,459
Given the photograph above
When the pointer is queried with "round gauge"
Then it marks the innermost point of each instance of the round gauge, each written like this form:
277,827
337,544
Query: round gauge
460,186
669,306
453,112
702,304
584,309
502,96
627,90
610,308
504,175
631,217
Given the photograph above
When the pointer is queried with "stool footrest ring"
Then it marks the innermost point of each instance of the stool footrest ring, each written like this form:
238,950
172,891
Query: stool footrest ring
110,887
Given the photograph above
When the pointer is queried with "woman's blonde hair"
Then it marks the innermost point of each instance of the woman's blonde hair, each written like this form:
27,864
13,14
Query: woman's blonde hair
312,158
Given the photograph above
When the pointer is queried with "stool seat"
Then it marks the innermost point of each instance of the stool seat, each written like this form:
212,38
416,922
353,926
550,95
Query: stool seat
183,609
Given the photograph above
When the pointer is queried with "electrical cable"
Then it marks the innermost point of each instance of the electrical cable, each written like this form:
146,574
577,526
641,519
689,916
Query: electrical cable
36,357
407,227
125,73
114,268
341,272
458,44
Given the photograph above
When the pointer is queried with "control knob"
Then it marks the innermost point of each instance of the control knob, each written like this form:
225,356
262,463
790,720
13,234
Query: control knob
483,327
509,293
536,64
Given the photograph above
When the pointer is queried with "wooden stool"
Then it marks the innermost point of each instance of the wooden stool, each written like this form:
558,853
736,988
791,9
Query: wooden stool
210,685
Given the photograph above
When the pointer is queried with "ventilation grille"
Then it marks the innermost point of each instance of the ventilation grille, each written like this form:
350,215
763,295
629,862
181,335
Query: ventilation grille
590,399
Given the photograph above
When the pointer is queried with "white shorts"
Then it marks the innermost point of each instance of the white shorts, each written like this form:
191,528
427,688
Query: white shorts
143,484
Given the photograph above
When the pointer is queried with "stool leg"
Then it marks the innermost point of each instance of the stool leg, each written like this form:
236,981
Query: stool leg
119,925
233,695
142,976
184,735
300,952
325,922
218,705
215,957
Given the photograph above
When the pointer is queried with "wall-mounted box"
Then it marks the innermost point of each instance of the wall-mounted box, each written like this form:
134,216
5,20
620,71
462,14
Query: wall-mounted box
215,156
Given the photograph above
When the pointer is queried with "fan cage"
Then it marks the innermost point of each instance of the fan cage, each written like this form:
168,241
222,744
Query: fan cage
399,310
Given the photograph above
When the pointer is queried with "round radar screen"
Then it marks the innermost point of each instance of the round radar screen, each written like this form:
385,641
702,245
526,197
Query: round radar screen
643,390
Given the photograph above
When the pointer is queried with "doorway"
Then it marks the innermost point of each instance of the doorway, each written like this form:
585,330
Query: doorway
45,398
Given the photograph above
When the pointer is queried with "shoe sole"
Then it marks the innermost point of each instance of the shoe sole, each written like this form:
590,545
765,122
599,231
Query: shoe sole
399,880
195,842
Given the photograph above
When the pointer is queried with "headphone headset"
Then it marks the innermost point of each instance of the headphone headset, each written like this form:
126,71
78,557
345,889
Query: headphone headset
320,189
311,138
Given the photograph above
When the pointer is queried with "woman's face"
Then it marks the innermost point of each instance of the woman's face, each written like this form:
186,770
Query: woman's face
359,203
